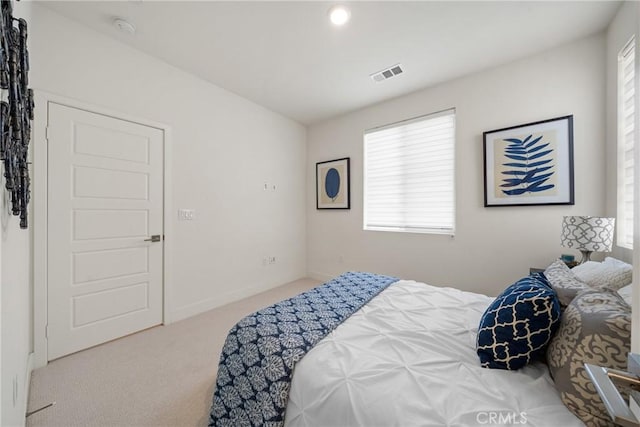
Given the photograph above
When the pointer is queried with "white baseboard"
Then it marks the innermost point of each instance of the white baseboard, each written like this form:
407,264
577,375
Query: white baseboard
26,386
320,276
211,303
193,309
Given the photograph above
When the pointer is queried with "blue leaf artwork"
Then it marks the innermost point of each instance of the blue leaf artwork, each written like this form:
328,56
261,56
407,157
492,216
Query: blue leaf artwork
332,183
531,168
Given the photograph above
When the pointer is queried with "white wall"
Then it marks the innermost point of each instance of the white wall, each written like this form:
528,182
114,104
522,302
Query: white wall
492,246
15,303
224,149
16,316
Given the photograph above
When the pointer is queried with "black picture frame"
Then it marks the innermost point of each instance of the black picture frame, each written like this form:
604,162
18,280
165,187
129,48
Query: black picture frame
529,164
333,184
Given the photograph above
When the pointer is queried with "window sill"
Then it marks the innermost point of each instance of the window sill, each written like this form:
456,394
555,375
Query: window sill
439,231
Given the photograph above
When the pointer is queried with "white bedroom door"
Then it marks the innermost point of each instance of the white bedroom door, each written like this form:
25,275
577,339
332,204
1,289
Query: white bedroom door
105,204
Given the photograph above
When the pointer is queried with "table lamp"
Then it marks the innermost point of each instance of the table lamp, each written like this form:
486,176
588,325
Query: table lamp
588,234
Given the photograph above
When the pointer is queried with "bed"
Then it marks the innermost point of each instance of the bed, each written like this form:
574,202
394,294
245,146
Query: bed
408,357
405,357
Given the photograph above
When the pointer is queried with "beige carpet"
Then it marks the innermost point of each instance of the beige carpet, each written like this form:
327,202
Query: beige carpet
159,377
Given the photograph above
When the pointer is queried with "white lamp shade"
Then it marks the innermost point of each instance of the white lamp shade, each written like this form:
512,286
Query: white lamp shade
588,233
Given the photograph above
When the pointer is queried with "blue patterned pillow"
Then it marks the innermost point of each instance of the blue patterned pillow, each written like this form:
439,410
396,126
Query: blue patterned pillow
519,324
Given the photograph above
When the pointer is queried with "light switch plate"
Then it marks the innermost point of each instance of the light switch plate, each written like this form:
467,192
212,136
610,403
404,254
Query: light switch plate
186,214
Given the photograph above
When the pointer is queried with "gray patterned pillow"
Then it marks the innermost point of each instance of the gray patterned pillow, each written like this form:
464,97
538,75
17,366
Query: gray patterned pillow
564,282
595,328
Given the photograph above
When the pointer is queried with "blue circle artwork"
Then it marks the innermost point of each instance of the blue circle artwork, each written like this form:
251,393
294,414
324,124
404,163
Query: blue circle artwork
332,183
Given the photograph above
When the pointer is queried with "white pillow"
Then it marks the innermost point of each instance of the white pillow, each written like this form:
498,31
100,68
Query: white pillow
612,273
587,269
625,293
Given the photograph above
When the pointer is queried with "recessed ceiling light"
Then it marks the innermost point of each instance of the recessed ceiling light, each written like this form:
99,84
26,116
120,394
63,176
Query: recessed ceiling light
124,26
339,15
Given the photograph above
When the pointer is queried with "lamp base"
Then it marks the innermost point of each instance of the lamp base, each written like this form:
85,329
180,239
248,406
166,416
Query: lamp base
586,256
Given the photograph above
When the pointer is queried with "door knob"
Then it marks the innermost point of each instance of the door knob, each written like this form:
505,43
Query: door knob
154,238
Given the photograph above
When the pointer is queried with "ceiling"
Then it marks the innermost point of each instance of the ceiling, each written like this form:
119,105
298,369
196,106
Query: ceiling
287,57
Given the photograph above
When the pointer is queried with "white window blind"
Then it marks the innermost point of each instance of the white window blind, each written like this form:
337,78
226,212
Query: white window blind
626,129
409,175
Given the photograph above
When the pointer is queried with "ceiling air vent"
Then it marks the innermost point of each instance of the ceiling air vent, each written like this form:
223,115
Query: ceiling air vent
387,73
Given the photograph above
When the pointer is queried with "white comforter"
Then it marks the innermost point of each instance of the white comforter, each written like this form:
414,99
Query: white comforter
408,358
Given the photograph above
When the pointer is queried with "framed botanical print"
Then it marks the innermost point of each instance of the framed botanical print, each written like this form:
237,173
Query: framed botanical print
333,185
529,164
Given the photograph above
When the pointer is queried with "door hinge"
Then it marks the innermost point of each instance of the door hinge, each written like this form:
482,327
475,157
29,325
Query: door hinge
46,331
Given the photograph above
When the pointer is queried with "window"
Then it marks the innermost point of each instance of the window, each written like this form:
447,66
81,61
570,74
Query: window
626,129
409,175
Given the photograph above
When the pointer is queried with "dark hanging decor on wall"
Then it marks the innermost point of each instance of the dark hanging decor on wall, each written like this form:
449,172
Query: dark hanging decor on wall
16,109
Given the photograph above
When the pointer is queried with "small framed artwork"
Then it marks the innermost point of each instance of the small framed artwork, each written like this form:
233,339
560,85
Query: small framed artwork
530,164
333,184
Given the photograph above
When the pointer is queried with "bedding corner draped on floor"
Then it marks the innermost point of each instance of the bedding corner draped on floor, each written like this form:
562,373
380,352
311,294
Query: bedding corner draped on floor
261,350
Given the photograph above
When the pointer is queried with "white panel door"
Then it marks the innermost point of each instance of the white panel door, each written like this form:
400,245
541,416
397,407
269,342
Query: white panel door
105,192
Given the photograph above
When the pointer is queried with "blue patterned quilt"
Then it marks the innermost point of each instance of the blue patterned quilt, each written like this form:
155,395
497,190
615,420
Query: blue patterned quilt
261,350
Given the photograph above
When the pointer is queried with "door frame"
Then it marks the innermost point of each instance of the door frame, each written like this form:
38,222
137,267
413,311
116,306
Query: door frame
39,212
